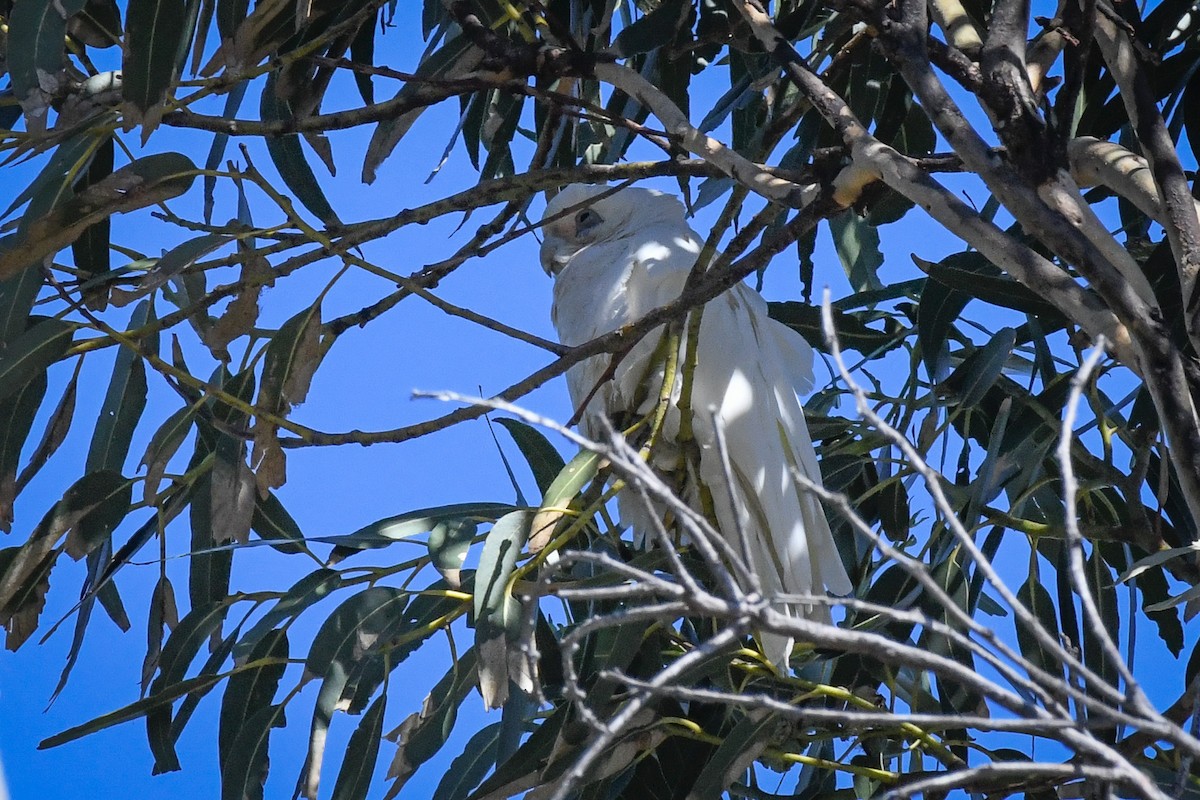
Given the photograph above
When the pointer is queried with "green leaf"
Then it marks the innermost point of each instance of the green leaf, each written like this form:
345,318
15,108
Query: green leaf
245,771
54,432
404,526
271,521
455,58
310,589
448,543
36,32
147,181
1153,586
16,421
939,308
155,46
542,457
1035,597
578,472
975,276
32,352
233,102
163,445
363,614
354,778
417,622
17,296
58,176
1104,594
851,329
130,712
335,649
653,30
424,733
497,612
501,548
857,245
91,250
976,375
362,51
291,359
470,767
181,648
107,496
98,25
288,156
533,753
212,665
738,750
249,691
123,403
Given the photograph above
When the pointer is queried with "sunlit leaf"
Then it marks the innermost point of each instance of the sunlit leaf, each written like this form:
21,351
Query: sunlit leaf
497,612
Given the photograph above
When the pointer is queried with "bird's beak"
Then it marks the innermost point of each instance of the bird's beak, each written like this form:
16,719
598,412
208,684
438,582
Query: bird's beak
552,262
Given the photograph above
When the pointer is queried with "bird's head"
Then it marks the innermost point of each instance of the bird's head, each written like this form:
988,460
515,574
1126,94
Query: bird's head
582,215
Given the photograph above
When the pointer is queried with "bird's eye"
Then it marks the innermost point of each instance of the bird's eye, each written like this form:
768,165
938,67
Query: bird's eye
586,221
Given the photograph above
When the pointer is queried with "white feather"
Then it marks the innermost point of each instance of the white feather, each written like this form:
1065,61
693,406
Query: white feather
633,255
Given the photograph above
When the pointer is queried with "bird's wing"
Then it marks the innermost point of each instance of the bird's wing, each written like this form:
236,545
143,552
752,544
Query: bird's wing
605,288
746,377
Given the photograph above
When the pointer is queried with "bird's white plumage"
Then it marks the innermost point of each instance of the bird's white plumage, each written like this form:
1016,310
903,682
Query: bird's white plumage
619,256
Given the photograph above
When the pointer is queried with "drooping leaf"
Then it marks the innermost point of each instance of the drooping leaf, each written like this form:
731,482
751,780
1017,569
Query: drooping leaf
157,36
272,521
353,625
852,331
288,156
216,152
171,264
857,245
91,250
497,612
163,445
542,457
362,51
738,750
132,711
245,771
653,30
35,52
32,352
107,495
54,433
250,691
354,778
1035,597
424,733
181,648
454,59
977,277
16,421
469,768
972,379
123,402
939,308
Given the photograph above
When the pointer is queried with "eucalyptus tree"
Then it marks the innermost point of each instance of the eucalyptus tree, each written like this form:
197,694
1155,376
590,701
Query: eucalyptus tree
1025,396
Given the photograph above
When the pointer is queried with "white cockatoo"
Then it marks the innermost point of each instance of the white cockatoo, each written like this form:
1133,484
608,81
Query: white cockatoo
619,256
